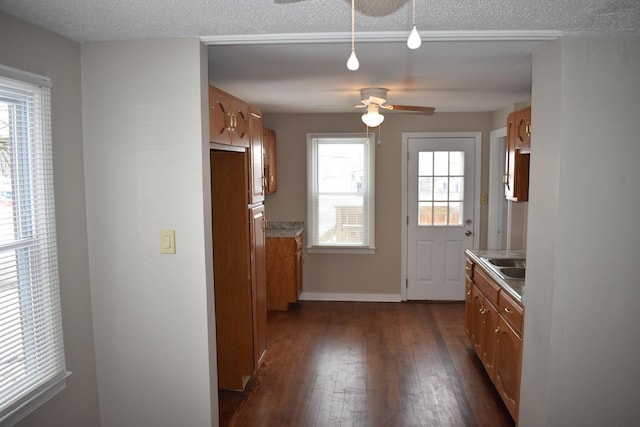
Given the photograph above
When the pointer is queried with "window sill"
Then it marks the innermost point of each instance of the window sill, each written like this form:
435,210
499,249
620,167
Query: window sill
35,402
359,250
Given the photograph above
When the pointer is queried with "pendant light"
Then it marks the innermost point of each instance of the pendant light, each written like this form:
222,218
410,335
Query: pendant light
414,41
352,63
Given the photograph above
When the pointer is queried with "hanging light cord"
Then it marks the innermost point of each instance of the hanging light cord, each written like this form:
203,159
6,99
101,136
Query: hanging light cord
414,13
353,63
353,25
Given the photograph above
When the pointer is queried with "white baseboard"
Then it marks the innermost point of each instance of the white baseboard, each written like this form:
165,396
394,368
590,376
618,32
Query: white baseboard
321,296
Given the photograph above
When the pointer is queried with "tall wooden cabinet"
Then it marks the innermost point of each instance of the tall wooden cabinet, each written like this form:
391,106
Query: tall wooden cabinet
235,310
238,227
516,177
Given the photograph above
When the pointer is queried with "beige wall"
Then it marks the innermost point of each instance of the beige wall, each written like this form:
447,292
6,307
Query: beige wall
147,169
380,273
33,49
580,356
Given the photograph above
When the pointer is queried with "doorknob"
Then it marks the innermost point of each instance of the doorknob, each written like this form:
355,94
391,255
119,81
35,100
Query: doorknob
467,233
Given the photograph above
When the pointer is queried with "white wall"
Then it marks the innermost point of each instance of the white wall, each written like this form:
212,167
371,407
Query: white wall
581,351
33,49
145,142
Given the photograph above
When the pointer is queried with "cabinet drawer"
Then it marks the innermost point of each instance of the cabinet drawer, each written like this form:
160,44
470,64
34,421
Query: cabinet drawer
488,287
469,267
511,311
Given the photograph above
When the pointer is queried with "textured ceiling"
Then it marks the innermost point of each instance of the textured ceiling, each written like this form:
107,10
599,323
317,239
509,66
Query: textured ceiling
244,59
101,20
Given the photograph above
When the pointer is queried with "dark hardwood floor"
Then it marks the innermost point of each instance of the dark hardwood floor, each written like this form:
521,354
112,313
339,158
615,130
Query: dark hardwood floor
367,364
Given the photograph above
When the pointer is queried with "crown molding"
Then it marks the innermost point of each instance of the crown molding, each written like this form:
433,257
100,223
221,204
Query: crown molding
380,36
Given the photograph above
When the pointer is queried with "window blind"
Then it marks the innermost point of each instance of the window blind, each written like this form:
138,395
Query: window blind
32,364
341,191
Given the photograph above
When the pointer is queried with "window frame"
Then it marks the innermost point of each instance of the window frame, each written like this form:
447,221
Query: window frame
369,140
34,231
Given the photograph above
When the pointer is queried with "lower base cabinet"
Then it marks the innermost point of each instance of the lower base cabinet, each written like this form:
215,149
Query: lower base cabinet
494,321
284,271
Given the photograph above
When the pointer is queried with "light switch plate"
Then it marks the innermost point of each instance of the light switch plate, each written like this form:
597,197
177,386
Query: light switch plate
167,241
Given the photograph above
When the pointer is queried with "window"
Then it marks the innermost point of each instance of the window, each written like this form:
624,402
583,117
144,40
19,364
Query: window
32,366
440,188
340,194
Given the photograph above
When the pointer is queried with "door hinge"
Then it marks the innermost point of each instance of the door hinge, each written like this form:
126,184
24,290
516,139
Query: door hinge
407,156
406,283
407,219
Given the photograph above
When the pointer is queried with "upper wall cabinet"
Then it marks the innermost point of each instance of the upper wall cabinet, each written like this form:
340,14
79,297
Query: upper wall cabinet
269,141
522,124
256,157
228,119
516,177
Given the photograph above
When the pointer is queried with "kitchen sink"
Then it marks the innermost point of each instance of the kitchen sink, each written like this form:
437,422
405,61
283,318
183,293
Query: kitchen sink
507,262
512,272
508,268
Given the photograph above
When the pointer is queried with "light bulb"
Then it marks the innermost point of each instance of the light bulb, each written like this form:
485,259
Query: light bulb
414,41
353,63
372,119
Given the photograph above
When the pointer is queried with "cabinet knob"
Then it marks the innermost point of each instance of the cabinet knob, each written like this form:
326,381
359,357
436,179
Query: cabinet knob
497,330
508,310
467,268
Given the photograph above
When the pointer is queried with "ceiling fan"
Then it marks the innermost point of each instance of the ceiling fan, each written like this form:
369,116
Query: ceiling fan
375,98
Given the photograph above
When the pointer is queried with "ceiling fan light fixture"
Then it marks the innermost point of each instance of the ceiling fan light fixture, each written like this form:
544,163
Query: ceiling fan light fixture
372,117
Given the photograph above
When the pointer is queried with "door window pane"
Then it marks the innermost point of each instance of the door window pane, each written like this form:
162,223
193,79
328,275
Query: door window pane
440,188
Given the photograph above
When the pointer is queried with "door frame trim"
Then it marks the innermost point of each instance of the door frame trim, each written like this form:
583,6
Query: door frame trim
476,205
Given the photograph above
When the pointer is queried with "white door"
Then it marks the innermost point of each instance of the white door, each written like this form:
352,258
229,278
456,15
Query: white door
440,215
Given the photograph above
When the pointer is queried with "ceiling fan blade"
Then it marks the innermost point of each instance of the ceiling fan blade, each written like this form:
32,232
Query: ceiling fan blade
426,110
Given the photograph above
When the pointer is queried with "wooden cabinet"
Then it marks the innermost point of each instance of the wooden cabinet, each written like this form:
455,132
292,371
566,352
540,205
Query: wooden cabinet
239,284
256,157
284,271
228,119
271,179
468,311
494,322
508,364
508,353
516,177
258,282
485,321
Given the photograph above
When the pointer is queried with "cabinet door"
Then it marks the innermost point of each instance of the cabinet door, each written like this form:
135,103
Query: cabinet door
516,177
258,283
270,166
241,135
256,156
523,130
477,304
490,324
508,362
219,116
299,262
468,308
